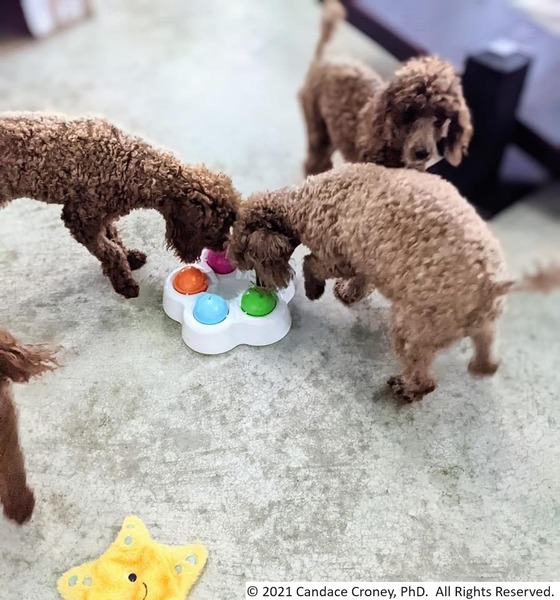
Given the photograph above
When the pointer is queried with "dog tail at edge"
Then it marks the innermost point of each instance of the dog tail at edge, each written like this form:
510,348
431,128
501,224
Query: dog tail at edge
20,362
333,12
543,281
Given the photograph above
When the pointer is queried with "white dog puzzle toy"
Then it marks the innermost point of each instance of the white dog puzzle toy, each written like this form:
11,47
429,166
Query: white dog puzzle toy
220,307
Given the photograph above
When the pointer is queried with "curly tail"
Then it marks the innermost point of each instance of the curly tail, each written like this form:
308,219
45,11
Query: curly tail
543,281
20,362
333,12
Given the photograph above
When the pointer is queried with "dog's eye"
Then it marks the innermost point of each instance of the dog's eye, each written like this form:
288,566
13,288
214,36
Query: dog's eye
409,116
132,577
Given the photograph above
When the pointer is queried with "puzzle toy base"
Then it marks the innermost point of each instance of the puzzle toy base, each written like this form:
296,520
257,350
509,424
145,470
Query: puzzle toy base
220,310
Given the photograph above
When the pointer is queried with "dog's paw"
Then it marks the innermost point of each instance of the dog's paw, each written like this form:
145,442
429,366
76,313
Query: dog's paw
20,510
404,394
347,293
136,259
129,289
483,369
314,289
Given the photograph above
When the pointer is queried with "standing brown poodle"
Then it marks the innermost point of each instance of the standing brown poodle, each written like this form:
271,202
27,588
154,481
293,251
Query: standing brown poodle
412,121
99,174
408,234
18,363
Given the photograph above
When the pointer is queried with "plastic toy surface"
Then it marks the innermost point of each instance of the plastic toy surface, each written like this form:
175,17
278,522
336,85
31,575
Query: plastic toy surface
220,308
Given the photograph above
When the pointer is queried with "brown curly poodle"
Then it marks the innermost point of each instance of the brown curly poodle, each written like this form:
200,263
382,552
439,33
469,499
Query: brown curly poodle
412,121
408,234
18,363
99,174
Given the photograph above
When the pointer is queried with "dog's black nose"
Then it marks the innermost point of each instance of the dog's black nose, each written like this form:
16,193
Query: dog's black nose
421,154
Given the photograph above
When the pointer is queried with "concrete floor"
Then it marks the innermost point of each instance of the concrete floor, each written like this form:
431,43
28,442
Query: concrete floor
288,462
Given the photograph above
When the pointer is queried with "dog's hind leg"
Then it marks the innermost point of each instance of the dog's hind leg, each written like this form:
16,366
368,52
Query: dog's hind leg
483,362
92,234
416,343
319,146
136,258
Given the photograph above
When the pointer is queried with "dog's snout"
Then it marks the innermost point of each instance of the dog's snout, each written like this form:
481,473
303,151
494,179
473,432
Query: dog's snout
421,153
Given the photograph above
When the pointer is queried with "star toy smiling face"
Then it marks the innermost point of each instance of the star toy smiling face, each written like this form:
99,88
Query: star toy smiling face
136,568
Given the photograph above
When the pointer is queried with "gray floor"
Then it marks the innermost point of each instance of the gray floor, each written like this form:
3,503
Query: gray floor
289,462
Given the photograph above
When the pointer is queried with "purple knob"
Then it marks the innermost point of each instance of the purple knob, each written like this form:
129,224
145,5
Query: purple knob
219,263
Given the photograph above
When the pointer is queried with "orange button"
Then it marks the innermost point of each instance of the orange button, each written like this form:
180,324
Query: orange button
190,280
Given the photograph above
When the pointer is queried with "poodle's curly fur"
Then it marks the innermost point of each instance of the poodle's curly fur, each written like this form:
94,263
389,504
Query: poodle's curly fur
411,121
99,174
408,234
18,363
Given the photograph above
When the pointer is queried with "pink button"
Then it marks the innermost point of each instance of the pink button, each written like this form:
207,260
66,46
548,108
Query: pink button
219,263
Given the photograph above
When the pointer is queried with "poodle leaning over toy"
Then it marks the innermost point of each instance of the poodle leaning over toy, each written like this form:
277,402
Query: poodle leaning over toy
99,174
408,234
412,121
18,363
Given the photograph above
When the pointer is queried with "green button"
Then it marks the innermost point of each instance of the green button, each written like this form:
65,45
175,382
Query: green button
258,302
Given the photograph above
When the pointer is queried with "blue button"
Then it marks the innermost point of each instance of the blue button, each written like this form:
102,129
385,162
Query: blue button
210,309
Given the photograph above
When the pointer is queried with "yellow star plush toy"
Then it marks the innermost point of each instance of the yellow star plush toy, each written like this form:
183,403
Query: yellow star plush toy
136,568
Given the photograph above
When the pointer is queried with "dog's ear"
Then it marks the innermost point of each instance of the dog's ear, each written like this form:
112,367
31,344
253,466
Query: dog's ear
20,363
184,226
261,241
459,135
270,253
377,131
192,223
259,234
197,220
269,246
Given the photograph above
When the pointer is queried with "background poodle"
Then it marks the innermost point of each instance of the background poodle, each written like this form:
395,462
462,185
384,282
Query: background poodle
412,121
408,234
99,174
18,363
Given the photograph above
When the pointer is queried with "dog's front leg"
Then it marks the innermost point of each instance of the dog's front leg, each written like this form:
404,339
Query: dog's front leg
350,291
16,497
315,275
